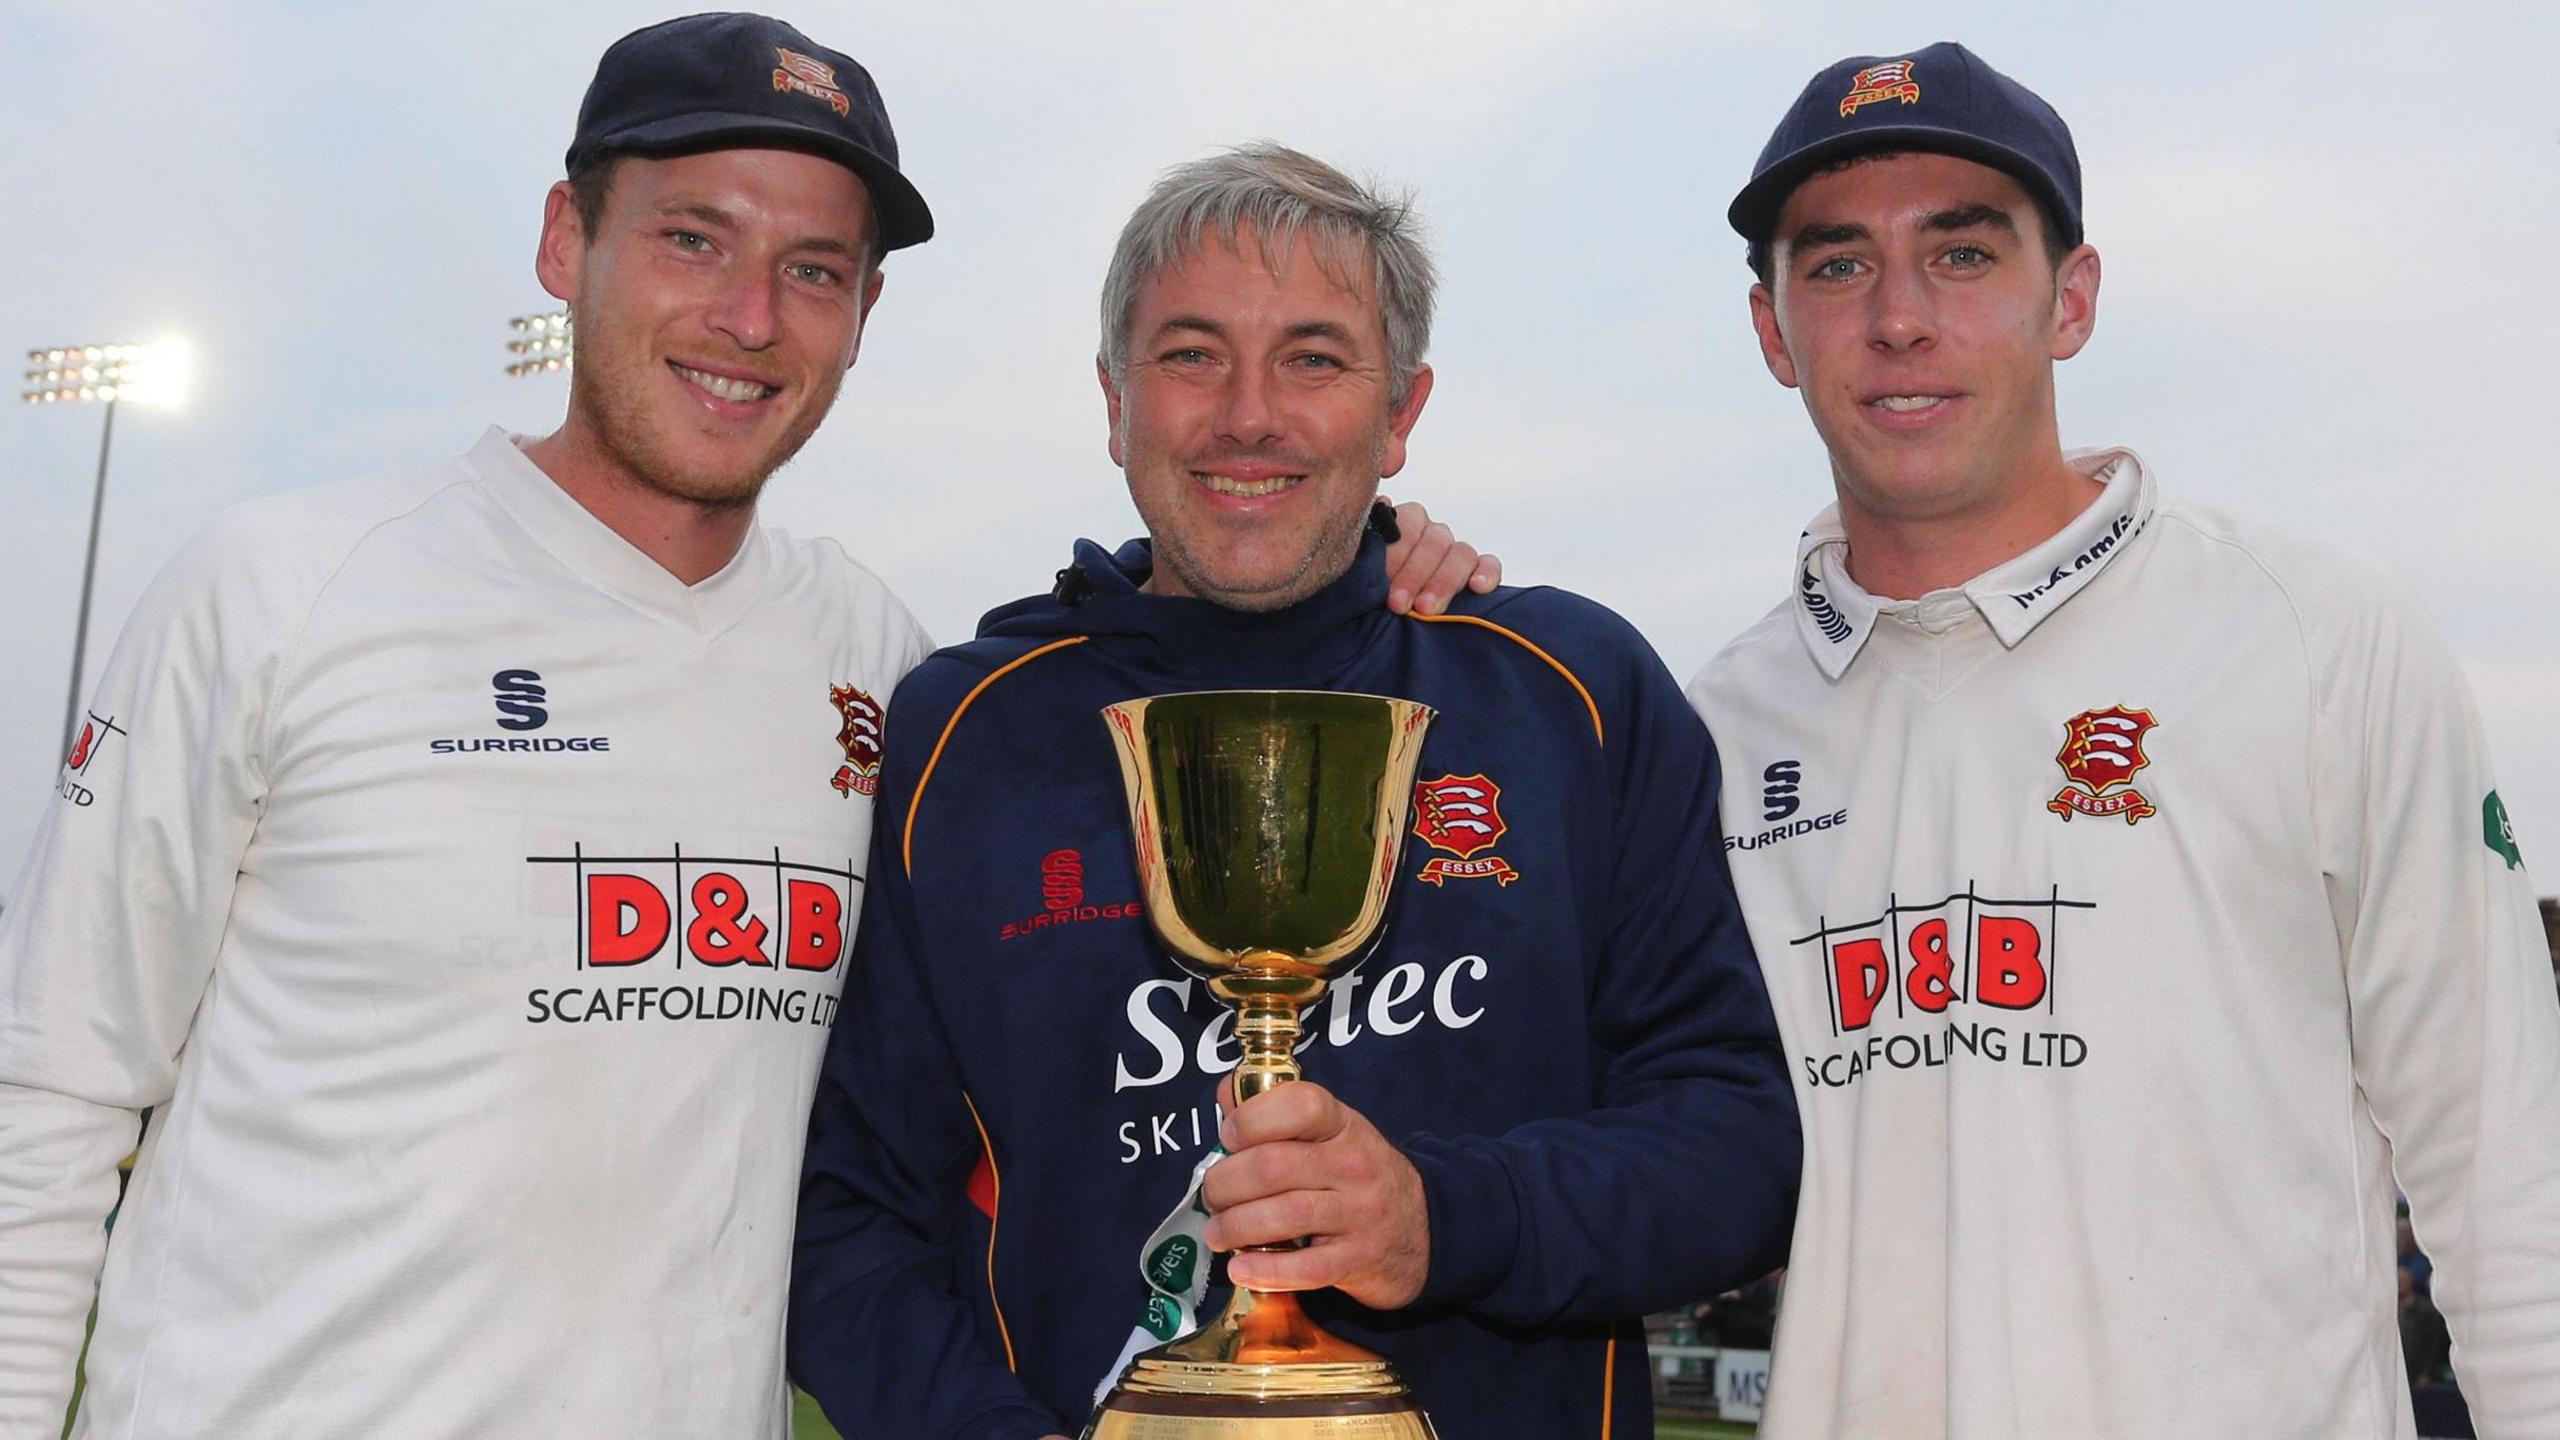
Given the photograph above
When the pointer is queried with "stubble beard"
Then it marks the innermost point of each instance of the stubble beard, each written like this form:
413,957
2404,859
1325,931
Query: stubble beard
1329,553
618,416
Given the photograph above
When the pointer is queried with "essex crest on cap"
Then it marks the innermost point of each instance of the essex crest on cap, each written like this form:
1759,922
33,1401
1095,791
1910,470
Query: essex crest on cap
705,82
1889,81
811,77
1942,99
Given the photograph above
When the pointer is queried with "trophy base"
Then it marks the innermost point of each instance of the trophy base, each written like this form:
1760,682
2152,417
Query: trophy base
1260,1371
1166,1399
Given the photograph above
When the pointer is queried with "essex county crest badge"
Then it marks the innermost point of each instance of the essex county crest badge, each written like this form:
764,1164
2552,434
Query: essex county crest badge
1461,814
1878,83
810,76
2101,751
860,737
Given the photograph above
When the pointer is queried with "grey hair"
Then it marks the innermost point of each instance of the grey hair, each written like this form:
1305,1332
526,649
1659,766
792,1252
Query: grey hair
1276,192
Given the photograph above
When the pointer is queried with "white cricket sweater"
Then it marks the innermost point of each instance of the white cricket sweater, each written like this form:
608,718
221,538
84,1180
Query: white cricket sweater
2135,916
471,897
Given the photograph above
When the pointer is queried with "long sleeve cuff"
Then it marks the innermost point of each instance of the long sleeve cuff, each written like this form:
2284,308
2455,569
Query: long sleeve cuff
1475,1221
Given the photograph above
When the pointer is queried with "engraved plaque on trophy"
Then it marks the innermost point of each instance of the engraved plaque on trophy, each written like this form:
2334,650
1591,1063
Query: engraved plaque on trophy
1269,824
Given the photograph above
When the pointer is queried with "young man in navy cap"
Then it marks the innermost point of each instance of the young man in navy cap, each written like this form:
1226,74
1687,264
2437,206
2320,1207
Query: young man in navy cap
462,864
2130,882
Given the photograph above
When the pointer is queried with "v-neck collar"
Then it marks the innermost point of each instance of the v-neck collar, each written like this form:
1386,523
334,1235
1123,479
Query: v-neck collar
591,548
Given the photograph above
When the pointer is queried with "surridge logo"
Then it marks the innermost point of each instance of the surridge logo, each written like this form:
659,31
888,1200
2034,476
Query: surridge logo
520,700
1779,800
1062,899
1461,814
1779,797
1062,880
810,76
523,704
2101,751
1879,83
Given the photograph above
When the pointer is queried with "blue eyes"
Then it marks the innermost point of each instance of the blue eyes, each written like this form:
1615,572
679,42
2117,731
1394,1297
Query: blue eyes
694,242
1956,257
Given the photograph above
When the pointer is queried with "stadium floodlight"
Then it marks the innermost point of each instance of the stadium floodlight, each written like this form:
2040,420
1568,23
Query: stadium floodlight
154,374
540,343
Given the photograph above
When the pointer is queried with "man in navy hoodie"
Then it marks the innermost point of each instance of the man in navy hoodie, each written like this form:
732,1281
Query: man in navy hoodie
1550,1103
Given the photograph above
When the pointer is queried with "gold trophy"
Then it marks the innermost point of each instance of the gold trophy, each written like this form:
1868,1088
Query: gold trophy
1269,824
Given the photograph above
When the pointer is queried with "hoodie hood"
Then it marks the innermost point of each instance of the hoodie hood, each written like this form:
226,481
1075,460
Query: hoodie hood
1199,642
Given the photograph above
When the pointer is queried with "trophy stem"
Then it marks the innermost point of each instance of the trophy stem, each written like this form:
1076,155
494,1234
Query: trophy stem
1267,1032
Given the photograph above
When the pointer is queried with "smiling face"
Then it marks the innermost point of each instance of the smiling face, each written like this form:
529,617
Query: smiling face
1255,421
1916,309
718,303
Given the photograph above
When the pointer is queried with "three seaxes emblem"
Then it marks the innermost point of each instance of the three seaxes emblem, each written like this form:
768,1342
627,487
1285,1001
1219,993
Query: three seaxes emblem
1878,83
810,76
2101,750
860,737
1461,814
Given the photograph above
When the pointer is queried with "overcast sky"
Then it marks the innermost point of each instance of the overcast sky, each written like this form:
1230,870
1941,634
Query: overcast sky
2329,236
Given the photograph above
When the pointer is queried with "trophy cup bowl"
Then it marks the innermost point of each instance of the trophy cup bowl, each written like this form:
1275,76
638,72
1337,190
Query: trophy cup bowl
1269,824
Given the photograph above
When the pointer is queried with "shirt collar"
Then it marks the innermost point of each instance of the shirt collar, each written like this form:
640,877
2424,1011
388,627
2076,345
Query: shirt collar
1835,615
591,548
2016,597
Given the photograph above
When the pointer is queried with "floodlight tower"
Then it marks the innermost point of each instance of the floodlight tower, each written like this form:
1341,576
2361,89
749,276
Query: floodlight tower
541,343
154,374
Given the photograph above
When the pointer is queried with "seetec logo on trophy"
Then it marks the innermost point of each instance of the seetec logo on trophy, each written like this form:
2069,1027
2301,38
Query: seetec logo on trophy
1268,826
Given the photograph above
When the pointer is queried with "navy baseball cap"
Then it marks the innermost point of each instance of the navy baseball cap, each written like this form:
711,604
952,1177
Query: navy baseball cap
1942,99
706,82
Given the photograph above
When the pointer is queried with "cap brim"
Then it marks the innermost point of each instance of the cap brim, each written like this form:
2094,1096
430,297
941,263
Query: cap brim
1754,212
903,216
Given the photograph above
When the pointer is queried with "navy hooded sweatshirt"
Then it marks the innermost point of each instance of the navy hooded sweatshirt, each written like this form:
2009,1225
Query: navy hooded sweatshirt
1564,1028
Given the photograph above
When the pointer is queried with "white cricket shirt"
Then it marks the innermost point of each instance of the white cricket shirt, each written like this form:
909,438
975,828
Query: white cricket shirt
2136,915
471,897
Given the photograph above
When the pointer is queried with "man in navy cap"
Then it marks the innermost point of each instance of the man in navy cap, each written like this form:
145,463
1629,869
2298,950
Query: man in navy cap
2130,882
461,864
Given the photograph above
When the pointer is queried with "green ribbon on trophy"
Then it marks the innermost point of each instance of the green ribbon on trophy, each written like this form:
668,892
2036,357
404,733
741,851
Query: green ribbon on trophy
1175,1262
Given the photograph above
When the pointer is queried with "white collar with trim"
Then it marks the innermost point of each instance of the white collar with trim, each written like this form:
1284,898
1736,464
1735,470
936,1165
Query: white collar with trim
1835,615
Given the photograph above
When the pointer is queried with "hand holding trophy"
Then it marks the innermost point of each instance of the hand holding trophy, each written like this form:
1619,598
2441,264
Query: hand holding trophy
1268,825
